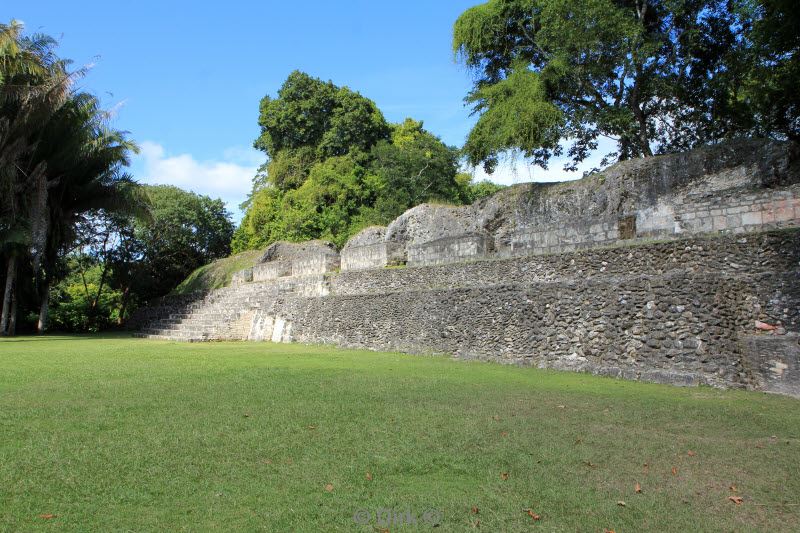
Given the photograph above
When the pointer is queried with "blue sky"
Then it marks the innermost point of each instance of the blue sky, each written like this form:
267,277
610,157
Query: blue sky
186,77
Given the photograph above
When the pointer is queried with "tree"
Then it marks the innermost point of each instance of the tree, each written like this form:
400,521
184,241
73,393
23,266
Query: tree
311,113
414,166
471,191
118,260
34,85
84,157
653,75
184,232
774,65
59,159
335,166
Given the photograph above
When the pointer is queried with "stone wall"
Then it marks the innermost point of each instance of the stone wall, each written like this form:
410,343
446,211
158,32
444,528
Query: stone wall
449,250
314,265
719,213
735,187
679,329
272,270
681,269
366,257
681,312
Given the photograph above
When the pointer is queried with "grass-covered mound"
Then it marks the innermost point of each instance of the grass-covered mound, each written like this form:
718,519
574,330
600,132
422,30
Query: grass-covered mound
116,434
217,274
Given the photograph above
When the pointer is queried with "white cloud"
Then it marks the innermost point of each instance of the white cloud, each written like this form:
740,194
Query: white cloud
515,169
229,179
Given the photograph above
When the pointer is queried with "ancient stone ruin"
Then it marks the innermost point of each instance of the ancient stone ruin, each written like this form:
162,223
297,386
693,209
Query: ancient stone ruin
677,269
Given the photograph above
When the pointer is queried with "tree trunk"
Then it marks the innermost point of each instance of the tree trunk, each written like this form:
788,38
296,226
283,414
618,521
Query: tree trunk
12,319
44,308
644,141
123,306
8,295
40,216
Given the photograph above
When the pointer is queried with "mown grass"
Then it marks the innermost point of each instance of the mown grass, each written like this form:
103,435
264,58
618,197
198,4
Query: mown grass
217,274
117,434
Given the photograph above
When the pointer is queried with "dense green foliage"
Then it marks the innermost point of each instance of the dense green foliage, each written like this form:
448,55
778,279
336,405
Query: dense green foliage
187,231
310,113
74,228
121,262
654,75
59,163
773,61
336,166
83,301
122,434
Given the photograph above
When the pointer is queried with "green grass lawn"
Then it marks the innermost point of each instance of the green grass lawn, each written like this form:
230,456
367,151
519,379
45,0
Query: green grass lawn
117,434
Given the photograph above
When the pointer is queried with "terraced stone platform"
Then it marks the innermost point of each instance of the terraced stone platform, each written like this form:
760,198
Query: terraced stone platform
680,269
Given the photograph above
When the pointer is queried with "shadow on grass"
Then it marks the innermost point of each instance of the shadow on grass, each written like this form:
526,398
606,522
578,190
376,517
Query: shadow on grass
114,335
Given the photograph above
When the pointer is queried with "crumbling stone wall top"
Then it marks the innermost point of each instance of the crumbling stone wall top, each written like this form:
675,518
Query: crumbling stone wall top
291,251
367,237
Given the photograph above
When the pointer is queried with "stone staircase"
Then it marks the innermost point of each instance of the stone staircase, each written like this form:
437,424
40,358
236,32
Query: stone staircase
220,315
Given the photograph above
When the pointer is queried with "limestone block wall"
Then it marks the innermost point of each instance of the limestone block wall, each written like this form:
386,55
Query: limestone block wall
449,250
315,265
366,257
679,312
271,270
734,187
711,213
243,276
753,211
743,256
656,269
594,326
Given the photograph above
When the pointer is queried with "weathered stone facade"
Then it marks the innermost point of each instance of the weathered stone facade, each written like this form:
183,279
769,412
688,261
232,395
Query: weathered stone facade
681,269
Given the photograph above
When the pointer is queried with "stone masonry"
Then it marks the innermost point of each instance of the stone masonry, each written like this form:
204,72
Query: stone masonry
680,269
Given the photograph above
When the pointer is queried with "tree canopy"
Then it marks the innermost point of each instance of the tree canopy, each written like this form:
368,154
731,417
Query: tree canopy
59,160
336,166
653,75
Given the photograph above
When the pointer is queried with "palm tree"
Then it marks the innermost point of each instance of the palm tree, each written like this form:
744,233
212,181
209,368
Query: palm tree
58,160
34,84
84,159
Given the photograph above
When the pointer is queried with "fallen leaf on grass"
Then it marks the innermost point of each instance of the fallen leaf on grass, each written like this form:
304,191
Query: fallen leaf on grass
328,488
638,488
47,516
246,415
578,441
759,445
495,418
646,468
621,503
562,406
312,427
267,461
476,523
733,488
474,510
533,515
369,476
504,433
674,470
504,476
736,499
589,464
608,530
